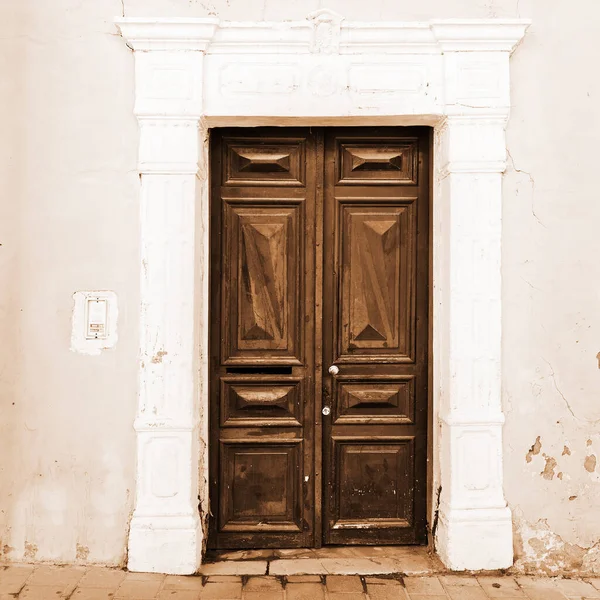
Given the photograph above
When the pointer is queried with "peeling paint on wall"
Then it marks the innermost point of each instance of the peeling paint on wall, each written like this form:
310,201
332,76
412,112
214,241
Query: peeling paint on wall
30,551
548,472
590,463
158,357
535,449
539,550
81,553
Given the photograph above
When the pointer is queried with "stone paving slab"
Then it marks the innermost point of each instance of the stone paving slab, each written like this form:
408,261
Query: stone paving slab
79,583
348,566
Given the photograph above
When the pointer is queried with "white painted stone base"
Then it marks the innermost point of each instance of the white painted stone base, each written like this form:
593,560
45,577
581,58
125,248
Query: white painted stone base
475,539
167,545
165,535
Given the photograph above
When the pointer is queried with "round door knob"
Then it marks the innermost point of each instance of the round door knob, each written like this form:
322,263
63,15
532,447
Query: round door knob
334,370
326,410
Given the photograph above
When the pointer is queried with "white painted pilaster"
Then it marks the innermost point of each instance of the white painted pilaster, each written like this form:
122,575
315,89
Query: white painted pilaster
166,532
475,527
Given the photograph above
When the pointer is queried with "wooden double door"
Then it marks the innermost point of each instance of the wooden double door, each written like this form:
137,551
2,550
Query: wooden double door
319,339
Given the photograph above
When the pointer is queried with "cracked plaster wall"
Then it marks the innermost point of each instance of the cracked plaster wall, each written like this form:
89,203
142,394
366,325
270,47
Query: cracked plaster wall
69,221
551,380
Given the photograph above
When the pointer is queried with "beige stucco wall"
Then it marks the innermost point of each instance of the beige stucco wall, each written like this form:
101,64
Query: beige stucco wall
69,221
550,272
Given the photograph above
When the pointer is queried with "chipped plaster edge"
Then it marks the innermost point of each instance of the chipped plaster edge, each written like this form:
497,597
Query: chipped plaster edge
541,551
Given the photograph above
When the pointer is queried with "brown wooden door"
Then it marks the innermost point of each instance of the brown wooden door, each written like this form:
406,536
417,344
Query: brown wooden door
375,335
319,259
262,356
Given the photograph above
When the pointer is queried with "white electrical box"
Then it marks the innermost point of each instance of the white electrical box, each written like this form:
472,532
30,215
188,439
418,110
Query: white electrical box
94,322
96,318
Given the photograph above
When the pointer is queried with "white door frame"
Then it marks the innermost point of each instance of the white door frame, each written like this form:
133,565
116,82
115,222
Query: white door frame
192,74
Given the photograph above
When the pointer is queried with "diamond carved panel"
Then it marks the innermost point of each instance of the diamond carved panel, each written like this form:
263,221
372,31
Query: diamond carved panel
274,162
375,400
377,283
262,247
263,403
263,281
368,163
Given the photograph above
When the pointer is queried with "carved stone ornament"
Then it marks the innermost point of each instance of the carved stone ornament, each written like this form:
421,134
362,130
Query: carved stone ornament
326,31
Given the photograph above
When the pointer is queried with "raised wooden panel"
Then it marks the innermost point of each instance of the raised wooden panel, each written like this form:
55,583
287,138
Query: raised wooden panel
377,283
375,400
261,289
372,162
260,486
265,162
374,483
266,402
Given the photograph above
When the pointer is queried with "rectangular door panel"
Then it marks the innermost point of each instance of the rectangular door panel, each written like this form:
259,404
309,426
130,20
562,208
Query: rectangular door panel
263,262
374,399
249,402
259,486
376,261
373,162
371,490
266,162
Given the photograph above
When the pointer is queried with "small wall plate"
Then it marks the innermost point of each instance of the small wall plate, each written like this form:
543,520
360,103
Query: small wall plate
94,322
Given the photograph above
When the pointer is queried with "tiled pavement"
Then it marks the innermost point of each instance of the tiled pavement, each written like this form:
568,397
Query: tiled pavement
48,583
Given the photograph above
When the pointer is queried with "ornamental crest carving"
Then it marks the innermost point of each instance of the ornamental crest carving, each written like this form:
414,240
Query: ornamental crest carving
326,31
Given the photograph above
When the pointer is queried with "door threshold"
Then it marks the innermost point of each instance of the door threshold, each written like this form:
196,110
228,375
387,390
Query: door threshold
334,560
